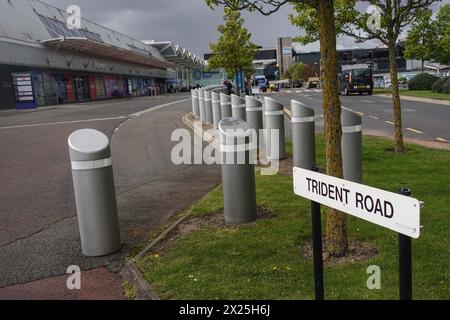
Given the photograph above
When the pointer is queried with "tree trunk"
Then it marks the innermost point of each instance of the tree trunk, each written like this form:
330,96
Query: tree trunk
423,65
399,145
337,234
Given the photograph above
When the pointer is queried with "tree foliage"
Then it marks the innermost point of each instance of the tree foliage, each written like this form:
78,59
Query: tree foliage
420,43
297,71
442,25
234,51
386,22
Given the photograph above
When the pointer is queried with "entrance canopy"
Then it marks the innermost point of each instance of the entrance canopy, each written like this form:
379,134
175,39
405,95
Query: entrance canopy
177,55
100,49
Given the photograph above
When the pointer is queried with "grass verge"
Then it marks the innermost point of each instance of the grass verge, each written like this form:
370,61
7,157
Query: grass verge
263,261
417,94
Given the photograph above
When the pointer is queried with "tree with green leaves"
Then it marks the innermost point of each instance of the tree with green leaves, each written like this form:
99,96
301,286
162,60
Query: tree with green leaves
297,71
385,20
442,41
421,40
234,51
324,10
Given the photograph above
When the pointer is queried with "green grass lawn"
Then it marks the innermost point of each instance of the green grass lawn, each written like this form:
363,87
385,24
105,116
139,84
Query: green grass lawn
263,261
417,93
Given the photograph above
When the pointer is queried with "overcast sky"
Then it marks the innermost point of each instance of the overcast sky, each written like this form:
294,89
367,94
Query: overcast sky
188,23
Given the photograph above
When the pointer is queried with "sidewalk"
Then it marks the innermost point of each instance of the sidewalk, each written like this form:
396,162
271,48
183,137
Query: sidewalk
9,112
150,190
417,99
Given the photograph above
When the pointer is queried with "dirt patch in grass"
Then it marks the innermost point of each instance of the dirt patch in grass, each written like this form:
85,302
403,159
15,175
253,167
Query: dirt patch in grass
197,223
358,251
287,165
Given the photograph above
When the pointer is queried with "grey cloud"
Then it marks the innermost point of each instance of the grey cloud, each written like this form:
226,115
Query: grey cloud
189,23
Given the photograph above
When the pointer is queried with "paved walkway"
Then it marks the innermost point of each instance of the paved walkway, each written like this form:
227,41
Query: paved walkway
150,189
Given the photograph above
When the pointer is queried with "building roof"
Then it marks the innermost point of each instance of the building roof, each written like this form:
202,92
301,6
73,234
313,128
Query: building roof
176,54
36,22
100,49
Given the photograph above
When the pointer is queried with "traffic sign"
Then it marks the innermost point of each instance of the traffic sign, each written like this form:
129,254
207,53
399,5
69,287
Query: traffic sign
390,210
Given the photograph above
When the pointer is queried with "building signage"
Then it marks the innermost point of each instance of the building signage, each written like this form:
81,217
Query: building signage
23,88
287,51
390,210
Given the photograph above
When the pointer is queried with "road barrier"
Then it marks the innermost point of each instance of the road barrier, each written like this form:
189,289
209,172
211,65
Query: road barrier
95,195
238,171
274,113
238,107
352,146
195,104
217,112
201,99
255,120
303,136
208,108
225,106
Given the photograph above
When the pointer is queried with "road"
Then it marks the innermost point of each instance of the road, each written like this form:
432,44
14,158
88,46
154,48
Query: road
427,121
39,236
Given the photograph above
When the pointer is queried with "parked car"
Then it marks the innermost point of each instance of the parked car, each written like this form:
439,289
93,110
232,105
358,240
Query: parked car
312,84
356,81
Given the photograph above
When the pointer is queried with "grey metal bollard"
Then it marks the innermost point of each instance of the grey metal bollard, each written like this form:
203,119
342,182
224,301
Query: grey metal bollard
274,113
95,195
255,117
225,106
303,136
217,112
208,108
238,177
238,107
352,151
195,104
201,103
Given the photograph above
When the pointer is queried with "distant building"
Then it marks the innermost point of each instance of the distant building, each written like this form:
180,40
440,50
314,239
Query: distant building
377,57
45,61
284,54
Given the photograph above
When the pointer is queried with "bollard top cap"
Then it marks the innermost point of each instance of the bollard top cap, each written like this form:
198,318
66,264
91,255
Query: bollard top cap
350,118
236,99
272,104
88,145
252,102
215,95
300,110
224,97
234,127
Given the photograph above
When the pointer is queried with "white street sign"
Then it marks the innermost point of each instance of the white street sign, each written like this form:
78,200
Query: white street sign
390,210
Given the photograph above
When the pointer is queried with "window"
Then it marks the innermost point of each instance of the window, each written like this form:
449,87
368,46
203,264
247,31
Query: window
59,29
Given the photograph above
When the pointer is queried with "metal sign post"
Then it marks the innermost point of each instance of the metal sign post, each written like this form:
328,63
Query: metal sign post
397,212
405,260
316,215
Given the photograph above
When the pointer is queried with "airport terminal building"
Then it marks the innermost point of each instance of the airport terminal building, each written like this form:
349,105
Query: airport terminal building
45,62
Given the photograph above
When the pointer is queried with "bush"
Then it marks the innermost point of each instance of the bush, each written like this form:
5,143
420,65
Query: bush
422,81
442,85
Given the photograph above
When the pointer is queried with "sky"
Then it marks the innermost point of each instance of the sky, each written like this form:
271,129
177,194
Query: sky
188,23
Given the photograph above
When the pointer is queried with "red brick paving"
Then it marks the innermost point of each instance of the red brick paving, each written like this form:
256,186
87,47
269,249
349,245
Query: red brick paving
97,284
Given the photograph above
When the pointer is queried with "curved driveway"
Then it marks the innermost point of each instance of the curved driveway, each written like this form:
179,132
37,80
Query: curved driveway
38,228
